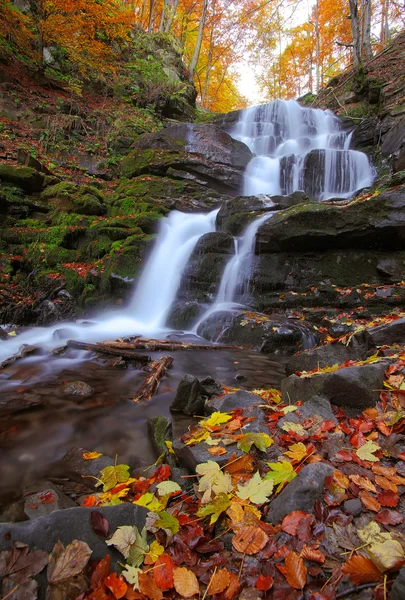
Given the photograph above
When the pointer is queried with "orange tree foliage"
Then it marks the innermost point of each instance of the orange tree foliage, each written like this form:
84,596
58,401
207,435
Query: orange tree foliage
16,31
85,30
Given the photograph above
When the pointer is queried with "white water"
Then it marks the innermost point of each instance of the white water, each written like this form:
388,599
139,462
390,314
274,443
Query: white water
155,291
282,134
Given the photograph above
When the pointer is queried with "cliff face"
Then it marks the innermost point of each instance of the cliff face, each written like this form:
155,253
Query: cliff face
373,102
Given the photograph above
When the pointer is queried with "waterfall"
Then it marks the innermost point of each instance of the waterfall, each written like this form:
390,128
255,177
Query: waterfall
154,293
300,148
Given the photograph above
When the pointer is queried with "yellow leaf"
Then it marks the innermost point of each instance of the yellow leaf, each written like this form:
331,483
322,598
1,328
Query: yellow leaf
91,455
295,427
213,480
288,409
217,418
150,502
196,438
169,446
366,451
385,555
296,451
155,550
257,490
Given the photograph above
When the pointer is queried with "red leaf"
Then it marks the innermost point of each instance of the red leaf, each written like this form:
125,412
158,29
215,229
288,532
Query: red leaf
361,570
163,572
101,570
116,584
264,583
99,524
291,521
388,499
344,455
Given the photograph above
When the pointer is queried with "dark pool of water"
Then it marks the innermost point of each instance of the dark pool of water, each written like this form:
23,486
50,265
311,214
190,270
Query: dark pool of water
33,442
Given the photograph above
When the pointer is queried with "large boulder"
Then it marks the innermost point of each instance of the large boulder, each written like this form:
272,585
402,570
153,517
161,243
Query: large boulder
394,145
26,178
377,223
203,153
389,333
301,493
353,388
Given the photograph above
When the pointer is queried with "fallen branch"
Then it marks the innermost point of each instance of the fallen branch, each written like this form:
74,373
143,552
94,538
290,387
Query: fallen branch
151,383
104,349
170,345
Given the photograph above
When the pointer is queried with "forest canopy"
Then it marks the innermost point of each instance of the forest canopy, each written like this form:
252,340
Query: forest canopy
293,49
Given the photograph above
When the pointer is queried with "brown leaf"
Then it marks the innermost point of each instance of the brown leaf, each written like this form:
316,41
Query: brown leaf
389,517
361,570
20,564
313,555
185,582
67,562
363,482
219,582
250,540
217,450
101,570
243,464
99,524
386,484
148,587
233,589
296,571
369,501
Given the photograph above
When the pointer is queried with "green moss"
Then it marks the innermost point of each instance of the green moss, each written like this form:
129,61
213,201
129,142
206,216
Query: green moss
64,188
25,178
88,204
140,162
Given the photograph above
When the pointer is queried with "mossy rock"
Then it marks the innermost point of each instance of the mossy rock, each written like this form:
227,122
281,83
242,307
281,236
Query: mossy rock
88,204
26,178
70,197
153,161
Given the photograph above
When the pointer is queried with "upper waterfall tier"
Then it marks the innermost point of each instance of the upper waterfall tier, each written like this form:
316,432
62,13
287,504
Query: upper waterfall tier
300,148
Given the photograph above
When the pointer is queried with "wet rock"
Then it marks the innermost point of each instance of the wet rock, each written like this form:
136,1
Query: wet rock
388,334
236,214
394,144
191,456
317,409
331,354
201,150
398,588
391,268
13,512
191,395
78,388
65,333
353,506
354,388
77,467
21,402
377,223
43,499
70,524
26,178
301,493
158,428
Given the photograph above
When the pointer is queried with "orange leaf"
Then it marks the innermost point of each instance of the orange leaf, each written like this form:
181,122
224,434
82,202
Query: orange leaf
361,570
234,587
219,582
217,450
388,499
163,572
296,571
369,501
185,582
363,483
91,455
116,585
90,501
250,540
148,587
291,521
386,484
313,555
243,464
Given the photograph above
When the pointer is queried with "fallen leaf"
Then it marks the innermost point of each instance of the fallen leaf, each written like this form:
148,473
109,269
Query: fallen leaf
116,584
292,520
112,475
148,587
91,455
123,539
250,540
369,501
366,451
280,472
185,582
65,563
295,427
389,517
296,571
167,487
215,508
217,450
219,582
163,572
264,583
260,440
361,570
257,490
296,451
213,480
99,523
217,418
313,555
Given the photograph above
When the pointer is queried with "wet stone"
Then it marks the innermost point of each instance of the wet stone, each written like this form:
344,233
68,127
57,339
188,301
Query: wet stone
353,506
45,499
77,467
78,388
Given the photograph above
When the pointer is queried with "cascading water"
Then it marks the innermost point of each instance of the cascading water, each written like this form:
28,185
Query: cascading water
300,148
155,291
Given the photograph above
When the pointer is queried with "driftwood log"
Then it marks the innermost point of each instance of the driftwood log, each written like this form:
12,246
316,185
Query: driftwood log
170,345
151,383
110,351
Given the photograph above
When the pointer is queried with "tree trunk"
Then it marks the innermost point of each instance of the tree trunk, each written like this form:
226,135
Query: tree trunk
151,7
354,23
197,48
366,21
172,14
104,349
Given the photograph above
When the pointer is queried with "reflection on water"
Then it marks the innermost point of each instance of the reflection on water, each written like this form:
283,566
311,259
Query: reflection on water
32,442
